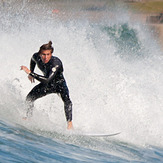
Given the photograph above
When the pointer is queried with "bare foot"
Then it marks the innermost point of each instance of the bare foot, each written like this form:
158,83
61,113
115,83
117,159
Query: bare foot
69,125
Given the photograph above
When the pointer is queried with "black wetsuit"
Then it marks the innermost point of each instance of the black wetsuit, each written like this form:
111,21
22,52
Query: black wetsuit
52,82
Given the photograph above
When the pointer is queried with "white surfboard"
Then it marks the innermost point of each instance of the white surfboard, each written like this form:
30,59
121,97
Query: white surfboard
102,135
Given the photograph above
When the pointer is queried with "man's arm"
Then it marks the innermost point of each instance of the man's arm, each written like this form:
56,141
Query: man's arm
32,67
43,79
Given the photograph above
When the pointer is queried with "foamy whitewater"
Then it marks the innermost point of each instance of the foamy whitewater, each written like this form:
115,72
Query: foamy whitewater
114,70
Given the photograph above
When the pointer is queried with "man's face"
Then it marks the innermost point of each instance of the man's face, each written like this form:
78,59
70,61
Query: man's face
46,56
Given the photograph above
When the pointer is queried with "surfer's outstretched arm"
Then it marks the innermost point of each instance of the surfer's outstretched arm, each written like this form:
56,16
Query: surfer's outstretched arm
41,78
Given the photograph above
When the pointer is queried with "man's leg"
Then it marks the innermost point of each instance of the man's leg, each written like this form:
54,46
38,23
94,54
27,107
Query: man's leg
37,92
67,102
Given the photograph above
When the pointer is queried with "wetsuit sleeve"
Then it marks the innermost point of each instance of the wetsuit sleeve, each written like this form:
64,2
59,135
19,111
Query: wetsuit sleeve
32,65
33,61
43,79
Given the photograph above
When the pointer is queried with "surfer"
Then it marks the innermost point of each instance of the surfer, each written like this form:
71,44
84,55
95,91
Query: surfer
52,81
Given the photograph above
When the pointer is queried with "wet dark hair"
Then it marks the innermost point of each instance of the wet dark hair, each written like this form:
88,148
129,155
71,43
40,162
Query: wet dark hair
47,46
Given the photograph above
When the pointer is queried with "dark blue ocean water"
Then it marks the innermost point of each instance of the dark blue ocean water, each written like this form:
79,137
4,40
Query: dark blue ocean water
18,144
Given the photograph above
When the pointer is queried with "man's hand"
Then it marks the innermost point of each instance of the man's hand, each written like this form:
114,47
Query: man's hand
25,69
69,125
31,78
